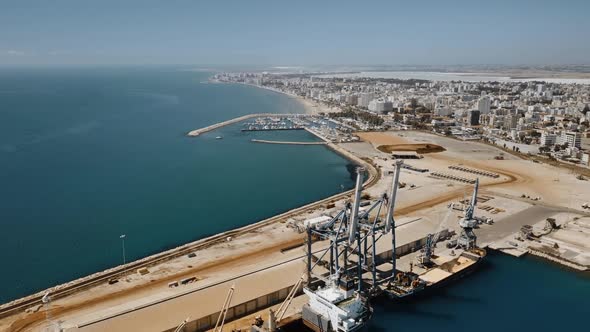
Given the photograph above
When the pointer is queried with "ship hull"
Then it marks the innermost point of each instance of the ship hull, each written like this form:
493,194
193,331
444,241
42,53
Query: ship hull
440,284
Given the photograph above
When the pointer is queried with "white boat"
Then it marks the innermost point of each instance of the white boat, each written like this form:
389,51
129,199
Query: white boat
219,137
336,308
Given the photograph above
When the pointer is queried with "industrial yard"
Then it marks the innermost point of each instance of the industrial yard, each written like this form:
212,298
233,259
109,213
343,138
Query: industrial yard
263,261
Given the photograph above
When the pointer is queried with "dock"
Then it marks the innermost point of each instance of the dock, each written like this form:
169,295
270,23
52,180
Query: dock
273,129
288,143
212,127
197,132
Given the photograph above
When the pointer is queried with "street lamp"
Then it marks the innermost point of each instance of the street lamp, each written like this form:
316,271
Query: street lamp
122,237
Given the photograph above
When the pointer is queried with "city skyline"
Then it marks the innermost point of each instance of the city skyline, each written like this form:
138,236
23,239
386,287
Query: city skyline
303,34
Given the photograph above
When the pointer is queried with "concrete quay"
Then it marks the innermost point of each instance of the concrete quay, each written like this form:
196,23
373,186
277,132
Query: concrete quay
250,296
197,132
287,143
164,314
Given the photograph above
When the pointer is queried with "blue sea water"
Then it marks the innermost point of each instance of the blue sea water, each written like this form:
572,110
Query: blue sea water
88,154
504,294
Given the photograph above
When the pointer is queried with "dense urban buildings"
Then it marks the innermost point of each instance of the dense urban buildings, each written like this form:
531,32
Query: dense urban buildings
550,119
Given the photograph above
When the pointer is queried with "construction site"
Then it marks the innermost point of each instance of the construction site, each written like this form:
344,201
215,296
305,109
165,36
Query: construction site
424,212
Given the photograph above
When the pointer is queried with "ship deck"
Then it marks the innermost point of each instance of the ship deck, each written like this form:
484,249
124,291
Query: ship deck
446,268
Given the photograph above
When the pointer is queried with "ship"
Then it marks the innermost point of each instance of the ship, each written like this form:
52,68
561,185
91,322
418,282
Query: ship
336,308
410,284
437,271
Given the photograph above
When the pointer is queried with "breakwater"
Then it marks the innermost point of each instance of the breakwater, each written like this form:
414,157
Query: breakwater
287,143
197,132
218,125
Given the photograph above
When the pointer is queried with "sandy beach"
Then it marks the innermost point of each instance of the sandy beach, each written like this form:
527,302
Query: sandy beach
311,107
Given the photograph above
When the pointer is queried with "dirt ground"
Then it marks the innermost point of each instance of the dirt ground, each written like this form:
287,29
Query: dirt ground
382,138
418,148
389,142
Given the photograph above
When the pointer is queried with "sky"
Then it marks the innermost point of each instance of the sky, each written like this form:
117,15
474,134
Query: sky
294,33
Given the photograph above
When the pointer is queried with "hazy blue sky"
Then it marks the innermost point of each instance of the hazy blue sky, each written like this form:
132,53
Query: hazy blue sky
294,32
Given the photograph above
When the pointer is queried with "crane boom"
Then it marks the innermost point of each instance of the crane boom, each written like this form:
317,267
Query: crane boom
389,222
224,310
473,202
354,215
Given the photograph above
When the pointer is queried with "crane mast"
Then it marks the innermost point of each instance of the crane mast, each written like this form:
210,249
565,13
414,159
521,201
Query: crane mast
467,239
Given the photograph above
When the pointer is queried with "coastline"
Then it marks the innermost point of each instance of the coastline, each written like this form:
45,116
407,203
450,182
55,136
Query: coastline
96,279
236,237
310,107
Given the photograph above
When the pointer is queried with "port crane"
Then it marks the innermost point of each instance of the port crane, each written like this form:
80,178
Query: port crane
274,317
353,235
425,258
341,231
467,239
224,310
373,230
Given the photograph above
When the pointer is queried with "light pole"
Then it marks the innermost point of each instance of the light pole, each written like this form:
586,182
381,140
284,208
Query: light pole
122,237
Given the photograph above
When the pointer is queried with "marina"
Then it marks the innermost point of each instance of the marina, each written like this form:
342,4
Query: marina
288,143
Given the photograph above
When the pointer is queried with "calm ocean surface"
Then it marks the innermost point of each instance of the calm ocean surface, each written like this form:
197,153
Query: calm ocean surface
89,154
504,294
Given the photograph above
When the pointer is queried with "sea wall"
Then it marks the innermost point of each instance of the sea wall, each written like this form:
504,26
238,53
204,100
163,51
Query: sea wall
557,259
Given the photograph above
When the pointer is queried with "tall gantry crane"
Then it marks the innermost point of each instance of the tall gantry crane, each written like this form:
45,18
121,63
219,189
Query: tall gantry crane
353,235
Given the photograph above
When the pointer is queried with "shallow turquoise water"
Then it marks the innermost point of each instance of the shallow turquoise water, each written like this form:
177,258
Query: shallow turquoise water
89,154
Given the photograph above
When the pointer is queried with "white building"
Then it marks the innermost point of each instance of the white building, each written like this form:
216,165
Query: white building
352,99
510,121
484,104
548,139
441,110
365,98
572,139
380,106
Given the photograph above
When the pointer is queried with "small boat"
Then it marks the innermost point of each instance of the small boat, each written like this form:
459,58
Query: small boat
219,137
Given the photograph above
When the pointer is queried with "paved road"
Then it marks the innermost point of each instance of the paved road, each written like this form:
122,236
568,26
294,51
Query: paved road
512,223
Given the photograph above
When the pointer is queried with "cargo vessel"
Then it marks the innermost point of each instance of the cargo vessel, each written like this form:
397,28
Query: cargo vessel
437,271
408,284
